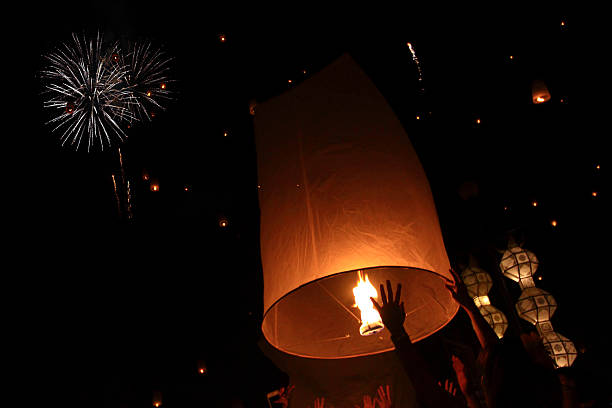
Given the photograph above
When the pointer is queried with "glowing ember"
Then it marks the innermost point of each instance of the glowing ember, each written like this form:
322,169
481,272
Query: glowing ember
370,318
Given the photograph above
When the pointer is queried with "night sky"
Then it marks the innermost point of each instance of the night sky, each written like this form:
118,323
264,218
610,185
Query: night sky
108,310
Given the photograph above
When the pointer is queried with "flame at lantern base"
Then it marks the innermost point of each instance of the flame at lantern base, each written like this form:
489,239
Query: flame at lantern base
369,328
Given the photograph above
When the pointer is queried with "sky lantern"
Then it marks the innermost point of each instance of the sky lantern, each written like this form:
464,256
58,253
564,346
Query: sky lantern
202,368
157,399
345,197
539,92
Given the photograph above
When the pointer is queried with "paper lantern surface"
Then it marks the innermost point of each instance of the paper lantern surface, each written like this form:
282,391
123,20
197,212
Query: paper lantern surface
536,305
519,265
341,189
477,281
560,348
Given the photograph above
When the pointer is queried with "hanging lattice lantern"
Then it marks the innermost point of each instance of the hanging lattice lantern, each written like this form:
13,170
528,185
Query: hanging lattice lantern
560,348
496,319
536,305
477,281
519,265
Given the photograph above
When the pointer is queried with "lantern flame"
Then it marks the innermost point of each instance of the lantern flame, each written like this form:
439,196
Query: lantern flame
370,318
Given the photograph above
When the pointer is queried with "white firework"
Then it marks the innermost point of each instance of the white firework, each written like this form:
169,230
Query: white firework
147,79
95,90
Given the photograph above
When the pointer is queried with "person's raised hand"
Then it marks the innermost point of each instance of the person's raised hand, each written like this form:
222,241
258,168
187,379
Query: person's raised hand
449,387
391,309
319,402
284,394
368,402
458,290
384,397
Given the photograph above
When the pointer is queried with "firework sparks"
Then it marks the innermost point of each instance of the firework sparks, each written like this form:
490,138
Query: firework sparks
95,90
147,79
416,61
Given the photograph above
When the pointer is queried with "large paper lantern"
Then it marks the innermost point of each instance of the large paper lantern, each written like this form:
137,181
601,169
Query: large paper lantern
536,305
341,191
519,265
560,348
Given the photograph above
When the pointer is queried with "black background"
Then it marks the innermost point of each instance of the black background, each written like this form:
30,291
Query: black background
108,310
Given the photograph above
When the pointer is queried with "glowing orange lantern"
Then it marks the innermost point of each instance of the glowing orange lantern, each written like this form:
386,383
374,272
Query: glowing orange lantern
364,204
202,369
157,399
539,92
223,222
154,186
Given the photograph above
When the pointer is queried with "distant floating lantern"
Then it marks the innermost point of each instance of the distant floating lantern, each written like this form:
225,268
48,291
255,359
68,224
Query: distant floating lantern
157,399
252,107
162,85
539,92
519,265
115,57
364,204
553,223
534,203
222,38
154,186
223,222
149,93
202,369
69,107
145,175
536,305
560,348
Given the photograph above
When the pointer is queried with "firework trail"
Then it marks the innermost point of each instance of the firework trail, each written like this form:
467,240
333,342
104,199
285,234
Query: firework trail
94,89
416,61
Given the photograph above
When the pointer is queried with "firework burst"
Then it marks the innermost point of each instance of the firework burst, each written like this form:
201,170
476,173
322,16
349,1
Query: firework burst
94,90
147,79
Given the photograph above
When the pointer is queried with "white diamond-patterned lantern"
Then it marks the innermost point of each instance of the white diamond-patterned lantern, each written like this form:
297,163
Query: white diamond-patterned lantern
519,265
536,305
496,319
478,283
560,348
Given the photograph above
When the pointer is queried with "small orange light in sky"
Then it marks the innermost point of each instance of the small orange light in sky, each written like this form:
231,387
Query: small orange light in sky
534,203
162,86
148,93
553,223
594,194
154,187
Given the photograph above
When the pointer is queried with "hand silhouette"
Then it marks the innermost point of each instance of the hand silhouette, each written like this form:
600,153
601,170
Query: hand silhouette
392,310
